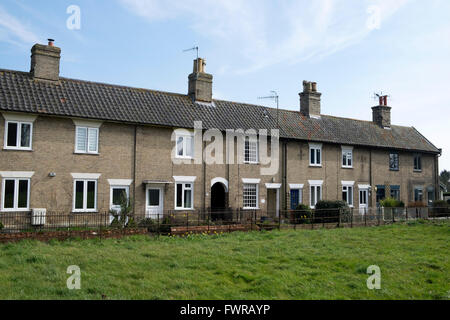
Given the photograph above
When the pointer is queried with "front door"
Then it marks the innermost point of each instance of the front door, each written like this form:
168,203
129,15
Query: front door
155,200
363,200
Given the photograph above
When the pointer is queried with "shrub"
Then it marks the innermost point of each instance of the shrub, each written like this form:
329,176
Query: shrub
448,201
329,211
131,223
440,208
153,226
301,215
417,204
391,203
1,226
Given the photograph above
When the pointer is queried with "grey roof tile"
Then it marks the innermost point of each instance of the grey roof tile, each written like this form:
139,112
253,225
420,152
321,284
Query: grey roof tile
77,98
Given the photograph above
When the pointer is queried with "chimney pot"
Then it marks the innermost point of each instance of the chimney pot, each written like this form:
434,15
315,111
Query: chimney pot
50,42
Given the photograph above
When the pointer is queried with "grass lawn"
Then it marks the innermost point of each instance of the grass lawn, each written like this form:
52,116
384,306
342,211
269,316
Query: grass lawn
307,264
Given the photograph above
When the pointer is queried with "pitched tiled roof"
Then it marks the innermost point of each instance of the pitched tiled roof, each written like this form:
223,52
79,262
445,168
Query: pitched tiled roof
84,99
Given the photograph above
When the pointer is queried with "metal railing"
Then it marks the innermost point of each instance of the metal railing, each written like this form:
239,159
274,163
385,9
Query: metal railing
208,221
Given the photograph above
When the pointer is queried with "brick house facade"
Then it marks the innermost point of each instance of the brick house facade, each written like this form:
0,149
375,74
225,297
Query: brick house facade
72,146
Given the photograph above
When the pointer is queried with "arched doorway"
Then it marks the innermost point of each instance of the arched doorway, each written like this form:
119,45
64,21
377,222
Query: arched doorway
218,201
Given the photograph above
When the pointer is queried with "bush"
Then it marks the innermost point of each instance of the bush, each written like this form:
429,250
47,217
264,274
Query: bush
329,211
301,215
1,226
440,208
417,204
448,201
392,203
153,226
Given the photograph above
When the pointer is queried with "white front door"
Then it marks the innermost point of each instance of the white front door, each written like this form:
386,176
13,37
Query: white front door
117,194
155,203
363,200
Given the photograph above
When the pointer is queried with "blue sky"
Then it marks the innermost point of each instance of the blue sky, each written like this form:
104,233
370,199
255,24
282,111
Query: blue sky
351,48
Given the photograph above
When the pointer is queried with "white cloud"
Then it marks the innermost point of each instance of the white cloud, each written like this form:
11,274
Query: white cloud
13,31
261,33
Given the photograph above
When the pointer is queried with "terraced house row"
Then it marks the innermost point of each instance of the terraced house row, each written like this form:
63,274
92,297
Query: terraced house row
76,146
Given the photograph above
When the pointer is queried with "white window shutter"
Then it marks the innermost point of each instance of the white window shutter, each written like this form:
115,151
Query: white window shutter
81,138
93,139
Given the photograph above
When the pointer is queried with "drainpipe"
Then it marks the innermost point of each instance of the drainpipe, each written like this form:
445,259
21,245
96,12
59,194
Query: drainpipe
372,189
134,169
284,171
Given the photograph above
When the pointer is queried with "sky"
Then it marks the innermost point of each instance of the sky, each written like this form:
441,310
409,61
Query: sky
351,48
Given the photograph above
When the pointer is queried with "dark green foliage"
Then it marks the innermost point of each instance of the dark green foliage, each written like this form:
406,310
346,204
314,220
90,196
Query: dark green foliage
156,226
440,208
329,211
301,215
123,217
392,203
1,226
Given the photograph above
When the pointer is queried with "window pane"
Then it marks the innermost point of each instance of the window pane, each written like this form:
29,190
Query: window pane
318,156
93,137
119,195
23,194
153,197
9,194
79,191
188,199
180,146
179,195
25,136
12,135
81,139
350,195
90,195
189,146
312,156
313,196
250,196
344,159
319,194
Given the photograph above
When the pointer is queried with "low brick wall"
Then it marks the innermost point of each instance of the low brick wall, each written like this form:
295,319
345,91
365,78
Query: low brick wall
64,235
211,229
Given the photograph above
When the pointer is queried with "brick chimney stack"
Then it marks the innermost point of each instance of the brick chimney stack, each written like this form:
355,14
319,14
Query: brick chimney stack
310,100
45,61
200,83
381,114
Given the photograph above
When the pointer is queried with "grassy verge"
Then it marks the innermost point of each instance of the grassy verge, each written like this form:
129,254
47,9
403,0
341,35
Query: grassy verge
317,264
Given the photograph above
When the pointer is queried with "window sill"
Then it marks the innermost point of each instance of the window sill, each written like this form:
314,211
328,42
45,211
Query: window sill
248,162
17,149
15,210
183,209
394,170
343,167
417,171
87,153
84,211
247,208
315,165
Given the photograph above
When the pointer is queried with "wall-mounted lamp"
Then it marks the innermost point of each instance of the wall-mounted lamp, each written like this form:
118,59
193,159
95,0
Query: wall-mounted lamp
52,174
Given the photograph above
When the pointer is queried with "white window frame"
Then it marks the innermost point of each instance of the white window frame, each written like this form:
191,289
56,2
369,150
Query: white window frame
349,190
16,194
183,189
315,147
112,187
184,136
314,184
251,141
251,183
85,181
88,129
348,153
419,156
18,135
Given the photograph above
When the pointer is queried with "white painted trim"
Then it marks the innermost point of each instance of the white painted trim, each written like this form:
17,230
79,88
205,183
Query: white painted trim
19,117
273,185
16,195
251,181
85,182
87,123
315,145
148,213
120,182
347,148
348,183
295,186
17,174
187,179
18,136
315,182
220,180
92,176
112,187
363,186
